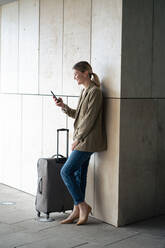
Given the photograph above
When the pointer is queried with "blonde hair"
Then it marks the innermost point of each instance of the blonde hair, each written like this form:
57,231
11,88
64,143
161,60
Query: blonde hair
83,66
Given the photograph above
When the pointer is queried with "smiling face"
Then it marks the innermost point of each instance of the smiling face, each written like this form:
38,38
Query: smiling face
79,76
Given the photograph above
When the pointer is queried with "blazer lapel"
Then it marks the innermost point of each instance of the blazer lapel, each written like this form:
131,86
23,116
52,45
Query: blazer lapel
82,97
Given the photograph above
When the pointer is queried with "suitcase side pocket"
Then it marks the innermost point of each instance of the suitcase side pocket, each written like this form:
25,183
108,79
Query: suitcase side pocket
40,185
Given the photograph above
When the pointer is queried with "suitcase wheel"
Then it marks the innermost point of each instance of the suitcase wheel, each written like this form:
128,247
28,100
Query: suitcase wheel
44,219
38,213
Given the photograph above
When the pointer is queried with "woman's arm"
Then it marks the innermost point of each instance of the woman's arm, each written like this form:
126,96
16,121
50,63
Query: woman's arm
69,111
88,121
65,108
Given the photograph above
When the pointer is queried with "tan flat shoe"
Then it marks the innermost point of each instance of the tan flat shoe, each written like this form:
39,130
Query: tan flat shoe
83,220
69,220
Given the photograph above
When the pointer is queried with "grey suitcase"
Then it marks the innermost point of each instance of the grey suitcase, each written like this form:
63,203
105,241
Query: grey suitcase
52,194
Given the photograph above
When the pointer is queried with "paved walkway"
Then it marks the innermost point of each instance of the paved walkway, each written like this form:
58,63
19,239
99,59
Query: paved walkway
19,228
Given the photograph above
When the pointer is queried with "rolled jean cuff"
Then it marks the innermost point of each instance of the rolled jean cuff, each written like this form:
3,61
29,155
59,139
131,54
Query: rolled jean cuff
78,202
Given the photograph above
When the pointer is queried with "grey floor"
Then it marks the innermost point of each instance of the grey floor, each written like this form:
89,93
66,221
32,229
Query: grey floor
19,227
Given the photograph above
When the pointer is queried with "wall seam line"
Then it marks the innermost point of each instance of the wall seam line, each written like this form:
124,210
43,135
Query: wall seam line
107,98
0,44
121,50
21,149
62,70
157,109
157,159
152,48
91,32
39,37
42,128
120,110
18,86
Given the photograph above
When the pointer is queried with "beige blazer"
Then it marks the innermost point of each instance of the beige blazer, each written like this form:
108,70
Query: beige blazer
88,125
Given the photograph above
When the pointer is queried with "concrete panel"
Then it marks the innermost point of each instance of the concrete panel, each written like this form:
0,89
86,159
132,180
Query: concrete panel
138,159
5,1
31,141
10,141
53,119
106,44
51,28
1,141
142,240
76,44
107,167
136,68
9,47
160,172
28,45
0,44
158,88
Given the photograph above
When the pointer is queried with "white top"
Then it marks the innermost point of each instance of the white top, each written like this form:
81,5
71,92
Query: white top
84,91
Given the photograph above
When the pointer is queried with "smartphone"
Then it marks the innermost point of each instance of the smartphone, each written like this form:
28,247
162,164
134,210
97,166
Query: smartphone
54,96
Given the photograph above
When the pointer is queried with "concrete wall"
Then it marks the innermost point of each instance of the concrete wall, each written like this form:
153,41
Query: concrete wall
106,61
124,41
40,42
141,173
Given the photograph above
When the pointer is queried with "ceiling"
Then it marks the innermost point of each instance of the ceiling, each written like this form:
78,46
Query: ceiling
5,1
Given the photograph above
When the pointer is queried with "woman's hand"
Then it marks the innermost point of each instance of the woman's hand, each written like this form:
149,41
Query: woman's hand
59,102
74,144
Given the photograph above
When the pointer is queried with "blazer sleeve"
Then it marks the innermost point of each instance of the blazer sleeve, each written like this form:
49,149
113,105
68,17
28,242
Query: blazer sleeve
69,111
88,121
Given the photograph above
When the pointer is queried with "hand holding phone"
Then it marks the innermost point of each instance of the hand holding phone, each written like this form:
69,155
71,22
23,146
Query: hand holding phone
58,100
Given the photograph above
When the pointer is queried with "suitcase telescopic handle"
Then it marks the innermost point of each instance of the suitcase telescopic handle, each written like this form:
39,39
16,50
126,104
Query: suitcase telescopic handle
67,141
59,155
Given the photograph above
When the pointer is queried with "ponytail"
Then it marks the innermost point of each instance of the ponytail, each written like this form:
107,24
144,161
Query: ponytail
95,79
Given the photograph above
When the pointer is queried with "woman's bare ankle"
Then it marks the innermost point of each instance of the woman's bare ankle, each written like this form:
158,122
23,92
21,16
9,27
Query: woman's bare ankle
75,209
83,205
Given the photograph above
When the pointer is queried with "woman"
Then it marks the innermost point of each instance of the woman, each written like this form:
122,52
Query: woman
88,137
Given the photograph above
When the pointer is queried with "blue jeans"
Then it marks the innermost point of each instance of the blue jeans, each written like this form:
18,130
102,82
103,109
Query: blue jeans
74,174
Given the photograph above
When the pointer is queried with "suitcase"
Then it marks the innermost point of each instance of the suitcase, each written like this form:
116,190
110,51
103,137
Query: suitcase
52,194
